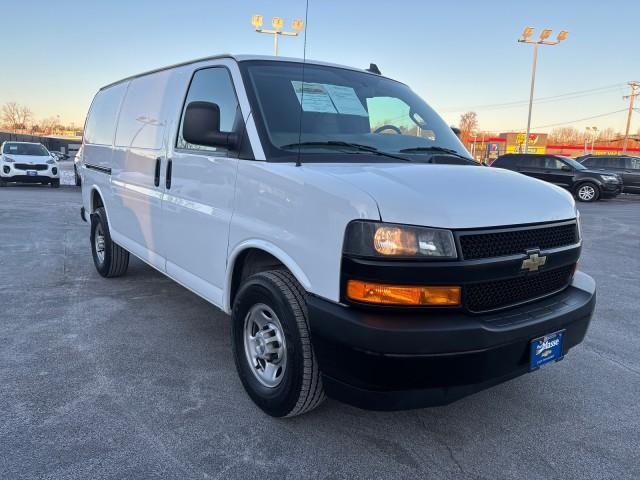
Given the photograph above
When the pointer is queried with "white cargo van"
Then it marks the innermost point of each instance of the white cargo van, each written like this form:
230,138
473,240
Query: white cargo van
340,222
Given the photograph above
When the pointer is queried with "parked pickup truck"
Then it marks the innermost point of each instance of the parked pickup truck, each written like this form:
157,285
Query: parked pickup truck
341,224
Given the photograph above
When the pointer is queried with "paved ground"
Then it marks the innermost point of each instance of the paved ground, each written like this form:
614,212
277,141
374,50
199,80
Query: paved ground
134,378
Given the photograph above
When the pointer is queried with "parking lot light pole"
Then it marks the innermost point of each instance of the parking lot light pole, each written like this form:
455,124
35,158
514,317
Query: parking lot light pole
526,38
586,139
277,23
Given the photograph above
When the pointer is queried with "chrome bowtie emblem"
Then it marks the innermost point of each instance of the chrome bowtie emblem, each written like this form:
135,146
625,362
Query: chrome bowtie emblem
534,261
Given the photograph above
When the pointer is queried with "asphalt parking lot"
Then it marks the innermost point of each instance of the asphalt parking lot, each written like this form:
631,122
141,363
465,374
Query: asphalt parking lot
134,378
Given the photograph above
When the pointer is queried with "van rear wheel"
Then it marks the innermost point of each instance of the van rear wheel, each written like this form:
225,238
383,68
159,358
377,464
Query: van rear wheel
110,259
271,345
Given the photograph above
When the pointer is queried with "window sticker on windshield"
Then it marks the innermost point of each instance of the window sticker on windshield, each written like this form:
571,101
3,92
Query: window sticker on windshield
13,148
315,98
346,100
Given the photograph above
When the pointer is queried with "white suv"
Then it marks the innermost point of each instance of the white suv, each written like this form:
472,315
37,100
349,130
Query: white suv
27,162
340,222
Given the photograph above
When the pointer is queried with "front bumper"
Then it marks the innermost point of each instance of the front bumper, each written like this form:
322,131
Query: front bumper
30,179
396,360
609,190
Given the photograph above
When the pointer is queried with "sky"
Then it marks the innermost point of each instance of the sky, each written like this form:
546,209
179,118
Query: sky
458,56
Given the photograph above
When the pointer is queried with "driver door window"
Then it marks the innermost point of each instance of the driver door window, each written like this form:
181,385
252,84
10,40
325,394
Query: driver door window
552,163
212,85
392,115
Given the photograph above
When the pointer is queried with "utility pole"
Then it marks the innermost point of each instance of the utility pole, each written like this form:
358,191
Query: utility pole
635,91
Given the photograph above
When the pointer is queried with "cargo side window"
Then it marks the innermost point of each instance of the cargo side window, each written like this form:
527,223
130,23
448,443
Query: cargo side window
101,123
213,85
635,163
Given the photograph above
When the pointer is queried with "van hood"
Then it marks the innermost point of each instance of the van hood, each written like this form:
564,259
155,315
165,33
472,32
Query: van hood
455,196
32,159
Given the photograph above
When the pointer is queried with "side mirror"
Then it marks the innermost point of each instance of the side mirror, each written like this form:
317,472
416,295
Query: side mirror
565,168
201,126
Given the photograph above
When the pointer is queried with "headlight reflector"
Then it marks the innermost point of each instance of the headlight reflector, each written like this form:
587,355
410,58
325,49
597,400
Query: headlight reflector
377,293
375,239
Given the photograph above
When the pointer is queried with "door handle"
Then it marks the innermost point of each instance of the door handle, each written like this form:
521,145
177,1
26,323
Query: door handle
168,179
156,177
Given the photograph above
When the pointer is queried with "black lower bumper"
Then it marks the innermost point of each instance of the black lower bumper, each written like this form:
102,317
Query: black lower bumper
30,179
390,361
611,190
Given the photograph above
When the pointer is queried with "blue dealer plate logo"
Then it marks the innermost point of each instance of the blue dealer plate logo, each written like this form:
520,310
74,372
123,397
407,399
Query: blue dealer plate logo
549,348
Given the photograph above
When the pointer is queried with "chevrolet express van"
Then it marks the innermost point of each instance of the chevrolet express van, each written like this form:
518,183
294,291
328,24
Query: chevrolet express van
341,224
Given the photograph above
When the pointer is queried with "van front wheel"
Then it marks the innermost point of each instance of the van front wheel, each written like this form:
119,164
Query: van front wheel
110,259
271,345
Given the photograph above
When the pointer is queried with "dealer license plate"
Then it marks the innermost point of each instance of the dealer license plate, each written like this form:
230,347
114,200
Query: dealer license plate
547,349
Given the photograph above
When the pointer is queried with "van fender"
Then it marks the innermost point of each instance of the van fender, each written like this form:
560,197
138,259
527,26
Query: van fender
95,189
270,248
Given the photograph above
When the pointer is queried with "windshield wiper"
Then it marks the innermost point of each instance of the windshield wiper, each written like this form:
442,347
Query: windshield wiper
448,151
356,146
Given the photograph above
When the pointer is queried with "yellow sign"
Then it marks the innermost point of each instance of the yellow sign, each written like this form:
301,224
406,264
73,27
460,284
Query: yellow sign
521,137
520,149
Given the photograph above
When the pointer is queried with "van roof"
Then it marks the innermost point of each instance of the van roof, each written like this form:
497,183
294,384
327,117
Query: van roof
237,58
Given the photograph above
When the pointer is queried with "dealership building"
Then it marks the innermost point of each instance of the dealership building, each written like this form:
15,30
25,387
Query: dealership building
488,148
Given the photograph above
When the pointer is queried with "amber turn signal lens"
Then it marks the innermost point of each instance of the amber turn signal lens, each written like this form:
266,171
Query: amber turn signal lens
382,294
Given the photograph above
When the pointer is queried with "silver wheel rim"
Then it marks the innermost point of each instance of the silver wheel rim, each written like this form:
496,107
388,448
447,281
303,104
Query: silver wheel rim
99,243
264,345
586,192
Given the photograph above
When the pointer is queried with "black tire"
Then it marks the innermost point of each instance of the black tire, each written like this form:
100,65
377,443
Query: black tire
55,183
587,192
300,389
115,259
3,182
78,180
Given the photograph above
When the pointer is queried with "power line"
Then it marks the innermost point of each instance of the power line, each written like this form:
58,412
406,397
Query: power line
567,96
580,119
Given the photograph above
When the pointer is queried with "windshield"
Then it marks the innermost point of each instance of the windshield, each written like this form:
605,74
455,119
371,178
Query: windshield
573,163
340,107
32,149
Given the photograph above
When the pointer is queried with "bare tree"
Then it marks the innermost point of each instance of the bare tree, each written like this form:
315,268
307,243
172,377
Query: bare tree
15,116
468,125
565,136
49,125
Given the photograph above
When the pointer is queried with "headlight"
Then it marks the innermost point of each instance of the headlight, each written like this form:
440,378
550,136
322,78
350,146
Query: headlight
375,239
51,162
8,160
609,178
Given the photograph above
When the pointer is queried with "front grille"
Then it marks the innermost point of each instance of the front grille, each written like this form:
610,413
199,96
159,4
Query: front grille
512,242
479,297
26,166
